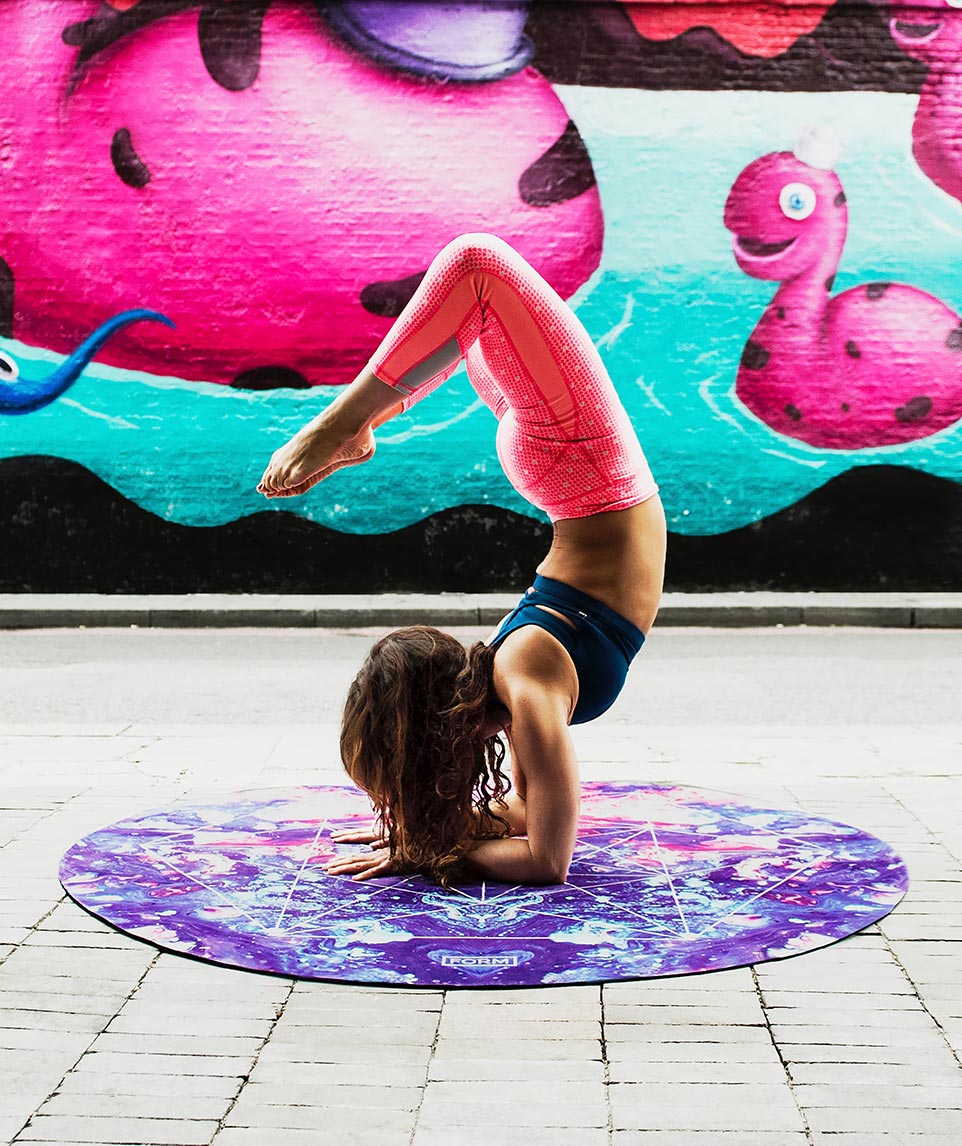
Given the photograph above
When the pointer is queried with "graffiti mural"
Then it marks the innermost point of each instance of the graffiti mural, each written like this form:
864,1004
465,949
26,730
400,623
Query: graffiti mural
931,31
241,169
227,204
876,365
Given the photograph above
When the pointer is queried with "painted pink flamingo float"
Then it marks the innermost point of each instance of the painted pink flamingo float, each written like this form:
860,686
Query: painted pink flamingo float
240,167
931,31
876,365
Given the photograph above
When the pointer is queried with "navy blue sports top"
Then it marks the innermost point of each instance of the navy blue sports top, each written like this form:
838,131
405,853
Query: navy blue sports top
602,643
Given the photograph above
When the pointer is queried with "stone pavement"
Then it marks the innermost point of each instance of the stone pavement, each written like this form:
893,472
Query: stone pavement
105,1040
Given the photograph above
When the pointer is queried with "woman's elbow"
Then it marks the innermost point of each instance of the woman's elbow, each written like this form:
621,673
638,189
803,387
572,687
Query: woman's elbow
551,873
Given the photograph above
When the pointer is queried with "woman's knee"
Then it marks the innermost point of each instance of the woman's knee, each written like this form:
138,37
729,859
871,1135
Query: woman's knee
480,250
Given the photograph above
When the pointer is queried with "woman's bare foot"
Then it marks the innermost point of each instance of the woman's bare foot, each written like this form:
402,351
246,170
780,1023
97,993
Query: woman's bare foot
313,454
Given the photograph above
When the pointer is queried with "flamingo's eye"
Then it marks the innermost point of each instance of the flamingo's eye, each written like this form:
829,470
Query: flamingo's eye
9,370
797,200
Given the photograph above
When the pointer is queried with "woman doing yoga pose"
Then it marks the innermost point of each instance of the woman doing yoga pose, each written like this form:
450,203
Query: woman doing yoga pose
420,732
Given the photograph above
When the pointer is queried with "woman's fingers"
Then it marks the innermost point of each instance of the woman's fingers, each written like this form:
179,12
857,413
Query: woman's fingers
361,867
354,836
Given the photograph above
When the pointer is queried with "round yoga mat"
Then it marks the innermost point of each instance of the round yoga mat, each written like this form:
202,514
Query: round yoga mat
665,881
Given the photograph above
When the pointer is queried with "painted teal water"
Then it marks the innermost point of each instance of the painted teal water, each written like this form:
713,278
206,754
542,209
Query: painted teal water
669,310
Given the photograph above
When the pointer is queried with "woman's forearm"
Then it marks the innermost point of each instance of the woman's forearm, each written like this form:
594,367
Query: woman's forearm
511,861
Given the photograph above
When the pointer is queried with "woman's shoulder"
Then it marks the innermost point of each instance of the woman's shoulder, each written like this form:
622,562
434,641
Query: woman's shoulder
531,663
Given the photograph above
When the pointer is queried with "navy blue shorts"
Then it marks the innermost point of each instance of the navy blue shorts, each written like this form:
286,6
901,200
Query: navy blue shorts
602,643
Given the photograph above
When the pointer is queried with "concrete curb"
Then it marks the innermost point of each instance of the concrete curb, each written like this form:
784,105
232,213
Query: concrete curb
202,610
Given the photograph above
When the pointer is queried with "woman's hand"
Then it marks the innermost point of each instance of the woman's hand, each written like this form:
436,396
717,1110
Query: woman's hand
362,867
373,836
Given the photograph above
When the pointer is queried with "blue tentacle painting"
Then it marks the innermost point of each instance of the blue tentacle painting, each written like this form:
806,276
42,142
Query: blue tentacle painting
20,394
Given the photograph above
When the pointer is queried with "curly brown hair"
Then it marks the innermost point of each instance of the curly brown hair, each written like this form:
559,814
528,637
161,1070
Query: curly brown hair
412,738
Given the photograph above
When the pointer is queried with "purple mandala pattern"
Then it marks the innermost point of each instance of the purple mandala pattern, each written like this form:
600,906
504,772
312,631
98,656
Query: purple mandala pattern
665,881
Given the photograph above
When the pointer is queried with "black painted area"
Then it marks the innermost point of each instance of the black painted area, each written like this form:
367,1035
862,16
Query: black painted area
595,43
64,530
107,25
230,42
390,297
563,172
270,378
829,282
130,168
839,199
875,291
954,341
755,356
7,291
793,412
852,350
914,410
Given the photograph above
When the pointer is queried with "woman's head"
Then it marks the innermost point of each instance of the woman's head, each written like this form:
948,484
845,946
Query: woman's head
412,737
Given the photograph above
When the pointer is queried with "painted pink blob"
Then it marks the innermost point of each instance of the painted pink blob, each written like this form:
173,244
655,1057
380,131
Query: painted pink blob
268,211
931,31
873,366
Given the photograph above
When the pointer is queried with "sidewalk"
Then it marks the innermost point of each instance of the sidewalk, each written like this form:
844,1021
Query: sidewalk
105,1040
208,610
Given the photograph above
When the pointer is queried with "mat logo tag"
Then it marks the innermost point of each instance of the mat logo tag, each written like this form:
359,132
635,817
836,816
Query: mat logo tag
481,961
480,964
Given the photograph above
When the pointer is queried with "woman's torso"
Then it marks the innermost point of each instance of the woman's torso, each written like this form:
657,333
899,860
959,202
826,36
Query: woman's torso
617,558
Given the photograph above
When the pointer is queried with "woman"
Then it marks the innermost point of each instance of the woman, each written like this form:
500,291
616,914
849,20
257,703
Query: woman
422,718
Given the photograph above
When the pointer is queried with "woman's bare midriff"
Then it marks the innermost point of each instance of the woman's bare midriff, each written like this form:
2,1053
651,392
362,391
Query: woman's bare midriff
618,557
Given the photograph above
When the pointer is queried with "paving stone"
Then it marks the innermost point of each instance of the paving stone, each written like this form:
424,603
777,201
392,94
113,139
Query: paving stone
710,1138
154,1106
770,1071
171,1086
779,1003
135,1019
557,1072
740,1009
464,1048
437,1113
847,1053
104,939
422,1025
521,1011
516,1092
621,1033
218,1046
308,1038
854,1019
947,1073
912,1096
357,1052
26,1039
275,1136
880,1138
319,1074
359,1092
485,1023
114,1063
511,1136
40,1003
698,1106
107,1131
824,1119
867,1036
629,1053
335,1120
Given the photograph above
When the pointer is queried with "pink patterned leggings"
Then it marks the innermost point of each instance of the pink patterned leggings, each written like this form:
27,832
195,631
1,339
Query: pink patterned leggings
564,439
